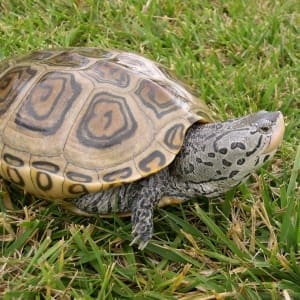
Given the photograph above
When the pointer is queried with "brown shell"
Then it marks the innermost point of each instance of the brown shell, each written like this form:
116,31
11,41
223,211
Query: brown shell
81,120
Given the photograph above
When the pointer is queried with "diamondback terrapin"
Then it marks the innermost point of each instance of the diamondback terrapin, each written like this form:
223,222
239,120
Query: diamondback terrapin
110,132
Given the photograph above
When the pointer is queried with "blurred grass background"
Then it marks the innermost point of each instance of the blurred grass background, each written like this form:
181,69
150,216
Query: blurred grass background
240,57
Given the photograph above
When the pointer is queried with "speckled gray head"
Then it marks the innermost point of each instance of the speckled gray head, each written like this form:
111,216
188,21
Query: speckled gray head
218,156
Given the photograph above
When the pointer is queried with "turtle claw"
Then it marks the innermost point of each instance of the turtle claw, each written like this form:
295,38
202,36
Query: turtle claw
142,244
142,236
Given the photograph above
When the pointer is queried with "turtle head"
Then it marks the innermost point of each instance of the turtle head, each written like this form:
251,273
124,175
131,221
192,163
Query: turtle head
218,156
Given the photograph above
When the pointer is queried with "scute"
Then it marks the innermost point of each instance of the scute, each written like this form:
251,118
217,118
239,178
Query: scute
84,119
12,83
44,108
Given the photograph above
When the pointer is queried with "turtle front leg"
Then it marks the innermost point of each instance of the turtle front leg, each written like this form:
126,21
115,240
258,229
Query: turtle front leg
142,216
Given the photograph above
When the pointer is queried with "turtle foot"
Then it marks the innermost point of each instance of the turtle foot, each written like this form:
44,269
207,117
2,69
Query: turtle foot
142,227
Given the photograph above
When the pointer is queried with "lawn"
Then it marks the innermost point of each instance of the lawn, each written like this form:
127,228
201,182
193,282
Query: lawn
240,57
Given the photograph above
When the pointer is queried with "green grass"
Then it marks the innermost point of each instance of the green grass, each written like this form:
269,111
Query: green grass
240,56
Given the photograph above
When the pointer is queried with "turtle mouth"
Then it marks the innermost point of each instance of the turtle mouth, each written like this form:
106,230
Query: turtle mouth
277,134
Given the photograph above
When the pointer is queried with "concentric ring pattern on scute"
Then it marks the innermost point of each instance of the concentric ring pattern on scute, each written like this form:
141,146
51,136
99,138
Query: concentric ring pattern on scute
81,120
45,107
107,122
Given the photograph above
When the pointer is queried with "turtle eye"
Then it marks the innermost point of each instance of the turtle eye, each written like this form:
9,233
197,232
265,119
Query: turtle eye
265,127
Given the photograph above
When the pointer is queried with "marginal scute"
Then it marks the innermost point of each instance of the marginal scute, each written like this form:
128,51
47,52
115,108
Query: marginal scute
15,176
46,166
13,160
80,181
154,161
77,189
46,175
118,175
44,181
15,168
75,176
84,120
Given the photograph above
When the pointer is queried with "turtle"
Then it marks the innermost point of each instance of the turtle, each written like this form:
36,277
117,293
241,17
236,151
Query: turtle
112,132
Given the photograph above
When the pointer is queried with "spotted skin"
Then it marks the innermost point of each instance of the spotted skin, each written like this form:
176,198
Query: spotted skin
213,159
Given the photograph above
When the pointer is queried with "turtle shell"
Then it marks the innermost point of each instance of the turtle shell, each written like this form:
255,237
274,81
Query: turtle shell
82,120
